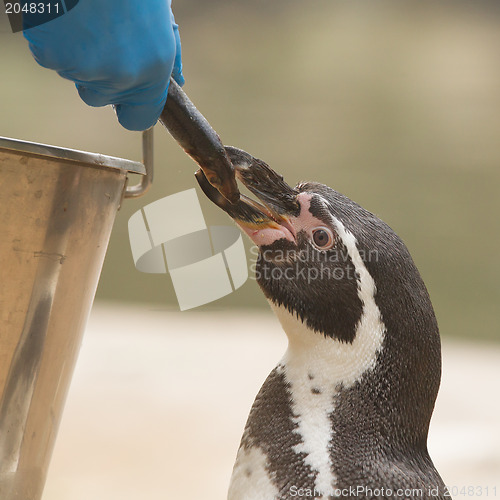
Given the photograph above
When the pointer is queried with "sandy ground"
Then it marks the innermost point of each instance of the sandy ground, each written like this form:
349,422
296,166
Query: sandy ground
159,400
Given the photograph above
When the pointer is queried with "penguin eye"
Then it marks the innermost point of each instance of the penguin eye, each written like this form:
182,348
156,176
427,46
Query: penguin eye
322,238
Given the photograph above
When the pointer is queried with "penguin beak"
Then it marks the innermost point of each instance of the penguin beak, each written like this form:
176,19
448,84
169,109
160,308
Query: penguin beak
277,201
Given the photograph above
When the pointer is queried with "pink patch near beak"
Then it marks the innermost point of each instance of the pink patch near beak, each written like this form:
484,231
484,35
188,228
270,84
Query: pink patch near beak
268,234
288,229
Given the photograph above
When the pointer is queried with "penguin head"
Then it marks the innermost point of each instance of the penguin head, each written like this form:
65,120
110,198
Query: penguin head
321,255
307,266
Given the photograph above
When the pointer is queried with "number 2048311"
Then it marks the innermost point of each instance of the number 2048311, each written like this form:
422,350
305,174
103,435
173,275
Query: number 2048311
33,8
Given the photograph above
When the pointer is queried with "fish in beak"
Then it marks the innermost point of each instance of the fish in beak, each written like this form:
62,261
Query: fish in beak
266,219
200,141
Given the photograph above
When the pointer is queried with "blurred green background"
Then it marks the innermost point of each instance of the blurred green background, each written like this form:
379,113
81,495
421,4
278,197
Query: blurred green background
396,104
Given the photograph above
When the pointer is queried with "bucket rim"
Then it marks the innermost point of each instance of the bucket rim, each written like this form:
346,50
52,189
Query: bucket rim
90,159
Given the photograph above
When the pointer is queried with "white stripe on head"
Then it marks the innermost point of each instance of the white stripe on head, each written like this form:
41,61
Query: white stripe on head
316,366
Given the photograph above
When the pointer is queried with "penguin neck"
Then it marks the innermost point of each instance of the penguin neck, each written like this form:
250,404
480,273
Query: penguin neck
326,363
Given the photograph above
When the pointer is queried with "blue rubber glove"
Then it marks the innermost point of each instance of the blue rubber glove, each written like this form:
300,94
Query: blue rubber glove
119,52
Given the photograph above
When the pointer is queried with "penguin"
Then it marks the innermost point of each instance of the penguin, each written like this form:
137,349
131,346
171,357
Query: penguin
346,411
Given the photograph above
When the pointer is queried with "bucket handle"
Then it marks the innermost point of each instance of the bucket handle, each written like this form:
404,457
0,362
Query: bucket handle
147,159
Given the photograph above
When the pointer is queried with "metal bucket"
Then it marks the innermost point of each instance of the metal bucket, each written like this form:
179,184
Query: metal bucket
57,208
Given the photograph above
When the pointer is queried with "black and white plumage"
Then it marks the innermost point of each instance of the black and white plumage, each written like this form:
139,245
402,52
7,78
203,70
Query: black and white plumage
346,411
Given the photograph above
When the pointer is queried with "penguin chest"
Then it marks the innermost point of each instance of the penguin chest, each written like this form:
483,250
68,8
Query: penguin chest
287,446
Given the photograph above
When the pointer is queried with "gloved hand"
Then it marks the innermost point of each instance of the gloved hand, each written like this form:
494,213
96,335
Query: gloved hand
119,52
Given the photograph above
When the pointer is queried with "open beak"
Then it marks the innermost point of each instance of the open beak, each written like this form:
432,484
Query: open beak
276,204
